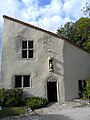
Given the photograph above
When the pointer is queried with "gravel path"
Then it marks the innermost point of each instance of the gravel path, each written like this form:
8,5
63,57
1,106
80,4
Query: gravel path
57,112
82,113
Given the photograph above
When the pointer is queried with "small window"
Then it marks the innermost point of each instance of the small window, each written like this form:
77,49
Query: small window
24,45
30,44
30,53
24,53
27,49
22,81
82,84
26,81
18,81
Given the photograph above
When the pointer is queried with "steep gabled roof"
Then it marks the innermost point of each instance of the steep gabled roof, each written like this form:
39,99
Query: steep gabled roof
43,30
29,25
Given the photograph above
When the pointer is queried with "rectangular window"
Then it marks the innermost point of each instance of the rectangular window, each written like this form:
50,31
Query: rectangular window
30,53
24,45
26,81
82,84
30,44
18,81
24,53
22,81
27,49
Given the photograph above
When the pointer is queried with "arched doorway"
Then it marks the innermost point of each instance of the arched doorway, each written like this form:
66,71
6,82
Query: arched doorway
52,89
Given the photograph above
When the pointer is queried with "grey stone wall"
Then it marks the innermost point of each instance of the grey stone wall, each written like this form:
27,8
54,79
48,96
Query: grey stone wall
13,64
70,63
76,67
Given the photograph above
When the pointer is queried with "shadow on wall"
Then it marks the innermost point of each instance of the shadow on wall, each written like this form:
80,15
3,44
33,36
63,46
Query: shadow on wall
27,94
58,66
54,117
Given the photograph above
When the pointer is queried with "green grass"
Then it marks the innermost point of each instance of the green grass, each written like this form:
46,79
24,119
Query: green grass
6,112
85,98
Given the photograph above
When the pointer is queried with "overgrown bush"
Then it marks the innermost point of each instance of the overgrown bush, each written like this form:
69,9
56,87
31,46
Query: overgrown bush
1,97
36,102
10,97
85,93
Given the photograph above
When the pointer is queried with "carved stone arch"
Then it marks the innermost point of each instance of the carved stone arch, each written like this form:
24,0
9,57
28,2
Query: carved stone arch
51,79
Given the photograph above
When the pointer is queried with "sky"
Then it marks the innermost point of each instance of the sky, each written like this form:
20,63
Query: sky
47,14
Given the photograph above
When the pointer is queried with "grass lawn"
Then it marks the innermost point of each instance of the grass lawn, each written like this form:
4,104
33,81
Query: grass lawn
6,112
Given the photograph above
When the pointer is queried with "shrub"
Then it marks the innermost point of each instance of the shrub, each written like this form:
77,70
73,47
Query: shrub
1,97
10,97
85,93
36,102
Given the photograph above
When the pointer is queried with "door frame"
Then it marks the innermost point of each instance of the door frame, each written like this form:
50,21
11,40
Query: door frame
50,79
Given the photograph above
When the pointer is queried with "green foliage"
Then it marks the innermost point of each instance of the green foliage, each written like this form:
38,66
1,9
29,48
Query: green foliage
69,31
86,46
83,24
36,102
10,97
85,93
86,9
1,96
78,32
6,112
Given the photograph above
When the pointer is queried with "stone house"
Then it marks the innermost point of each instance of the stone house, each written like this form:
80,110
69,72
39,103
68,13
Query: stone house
41,63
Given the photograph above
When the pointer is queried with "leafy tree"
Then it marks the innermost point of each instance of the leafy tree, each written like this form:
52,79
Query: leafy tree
86,46
83,25
86,9
69,31
78,32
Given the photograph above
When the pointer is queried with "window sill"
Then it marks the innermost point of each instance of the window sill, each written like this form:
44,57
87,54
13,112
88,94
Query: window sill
28,58
23,88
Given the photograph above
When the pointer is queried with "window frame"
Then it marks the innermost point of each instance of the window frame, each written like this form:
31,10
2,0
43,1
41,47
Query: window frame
22,81
28,49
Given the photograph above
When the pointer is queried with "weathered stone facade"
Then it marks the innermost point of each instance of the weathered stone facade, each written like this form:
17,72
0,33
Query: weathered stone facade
70,63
